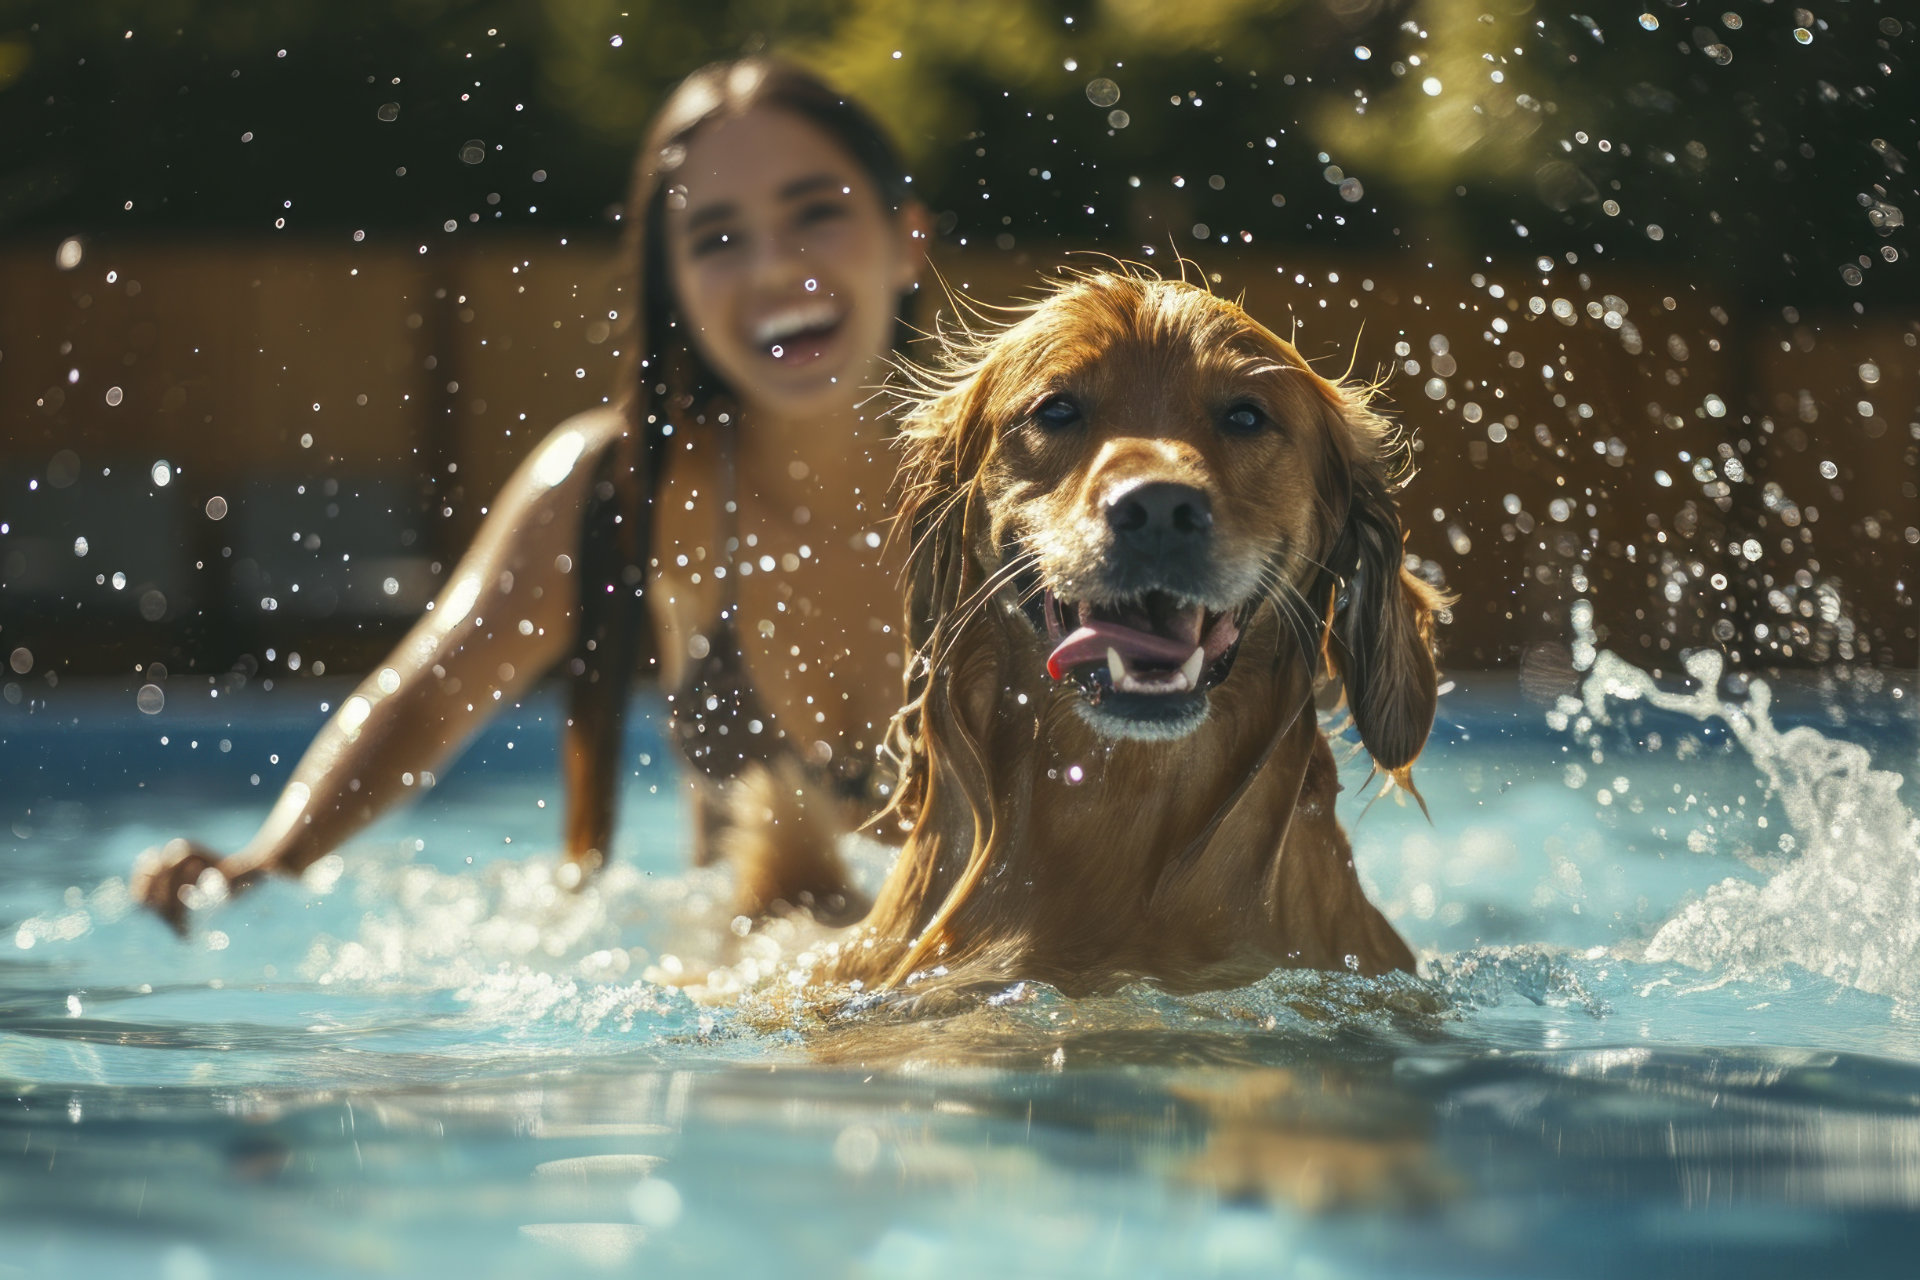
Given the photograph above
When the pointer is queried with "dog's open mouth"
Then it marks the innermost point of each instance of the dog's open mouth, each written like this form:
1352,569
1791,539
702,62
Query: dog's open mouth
1155,646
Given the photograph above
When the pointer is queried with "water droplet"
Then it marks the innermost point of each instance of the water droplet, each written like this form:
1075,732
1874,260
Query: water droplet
1351,190
1719,53
1436,388
1649,23
115,395
1118,119
1869,373
1102,92
1851,274
812,285
389,111
473,151
63,469
68,255
1362,52
1431,86
216,508
150,699
654,1202
162,473
21,660
80,546
1803,35
1655,231
1731,21
153,605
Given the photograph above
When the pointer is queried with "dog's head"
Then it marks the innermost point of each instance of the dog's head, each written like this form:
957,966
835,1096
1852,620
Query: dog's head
1143,475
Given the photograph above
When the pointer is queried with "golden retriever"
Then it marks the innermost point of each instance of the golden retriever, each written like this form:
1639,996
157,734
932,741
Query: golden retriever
1142,530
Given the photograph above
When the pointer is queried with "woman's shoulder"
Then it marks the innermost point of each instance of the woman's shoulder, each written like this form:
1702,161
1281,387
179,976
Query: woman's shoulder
588,433
574,447
558,474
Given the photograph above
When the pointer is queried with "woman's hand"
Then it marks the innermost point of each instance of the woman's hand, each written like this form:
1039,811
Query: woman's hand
165,878
504,618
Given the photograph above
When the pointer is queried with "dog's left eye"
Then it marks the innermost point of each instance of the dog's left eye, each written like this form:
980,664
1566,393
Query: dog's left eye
1056,412
1243,420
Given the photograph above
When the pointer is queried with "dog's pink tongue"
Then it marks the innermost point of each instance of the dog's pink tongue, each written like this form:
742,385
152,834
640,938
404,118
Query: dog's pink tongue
1091,642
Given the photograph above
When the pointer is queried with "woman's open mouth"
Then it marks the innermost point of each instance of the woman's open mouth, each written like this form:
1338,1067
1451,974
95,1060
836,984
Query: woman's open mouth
1155,646
799,334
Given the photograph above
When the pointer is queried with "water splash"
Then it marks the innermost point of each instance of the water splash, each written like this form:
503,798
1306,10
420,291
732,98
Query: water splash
1848,904
428,928
1487,977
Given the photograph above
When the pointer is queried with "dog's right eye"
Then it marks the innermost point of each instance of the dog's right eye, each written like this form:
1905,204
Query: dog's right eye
1056,412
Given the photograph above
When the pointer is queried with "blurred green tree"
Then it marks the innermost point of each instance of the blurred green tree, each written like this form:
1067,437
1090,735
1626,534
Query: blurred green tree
1374,123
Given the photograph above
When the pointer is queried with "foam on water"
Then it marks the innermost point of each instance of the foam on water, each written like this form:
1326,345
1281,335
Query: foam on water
1847,903
495,958
433,1061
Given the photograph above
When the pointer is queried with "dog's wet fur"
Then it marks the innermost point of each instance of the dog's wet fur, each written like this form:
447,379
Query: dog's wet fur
1138,485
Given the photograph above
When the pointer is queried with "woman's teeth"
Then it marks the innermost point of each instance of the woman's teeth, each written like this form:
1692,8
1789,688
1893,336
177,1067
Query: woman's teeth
782,325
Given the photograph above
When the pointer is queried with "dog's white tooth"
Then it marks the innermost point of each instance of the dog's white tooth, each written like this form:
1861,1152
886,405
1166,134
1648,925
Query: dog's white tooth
1191,667
1115,667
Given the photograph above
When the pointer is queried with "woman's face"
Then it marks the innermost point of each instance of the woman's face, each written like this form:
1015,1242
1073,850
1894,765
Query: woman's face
784,263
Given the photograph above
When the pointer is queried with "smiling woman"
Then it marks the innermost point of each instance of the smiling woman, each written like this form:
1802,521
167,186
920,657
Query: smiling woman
786,262
732,497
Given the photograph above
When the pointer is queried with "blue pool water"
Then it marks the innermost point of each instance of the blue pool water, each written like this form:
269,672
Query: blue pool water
1668,1024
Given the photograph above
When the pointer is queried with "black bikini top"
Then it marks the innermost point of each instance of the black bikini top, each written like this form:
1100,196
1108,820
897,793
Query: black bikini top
719,722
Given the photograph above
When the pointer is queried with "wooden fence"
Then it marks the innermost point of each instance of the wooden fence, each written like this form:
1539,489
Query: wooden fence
209,450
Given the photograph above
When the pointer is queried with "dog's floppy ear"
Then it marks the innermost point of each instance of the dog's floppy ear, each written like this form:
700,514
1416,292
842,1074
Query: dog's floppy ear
930,513
1380,635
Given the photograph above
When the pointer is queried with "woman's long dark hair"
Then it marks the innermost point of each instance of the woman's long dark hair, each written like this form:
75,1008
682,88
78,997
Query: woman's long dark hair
666,388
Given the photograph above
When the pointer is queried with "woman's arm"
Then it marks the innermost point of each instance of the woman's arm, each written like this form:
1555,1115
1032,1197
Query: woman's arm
504,618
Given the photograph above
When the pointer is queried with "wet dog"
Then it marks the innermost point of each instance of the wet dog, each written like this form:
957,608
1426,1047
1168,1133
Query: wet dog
1143,530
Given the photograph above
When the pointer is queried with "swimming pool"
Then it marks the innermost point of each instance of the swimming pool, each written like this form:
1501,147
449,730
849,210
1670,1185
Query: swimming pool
424,1059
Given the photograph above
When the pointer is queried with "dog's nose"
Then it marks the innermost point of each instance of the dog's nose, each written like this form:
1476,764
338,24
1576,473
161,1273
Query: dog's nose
1160,515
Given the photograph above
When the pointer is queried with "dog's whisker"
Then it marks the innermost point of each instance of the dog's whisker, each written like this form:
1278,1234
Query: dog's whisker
975,605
